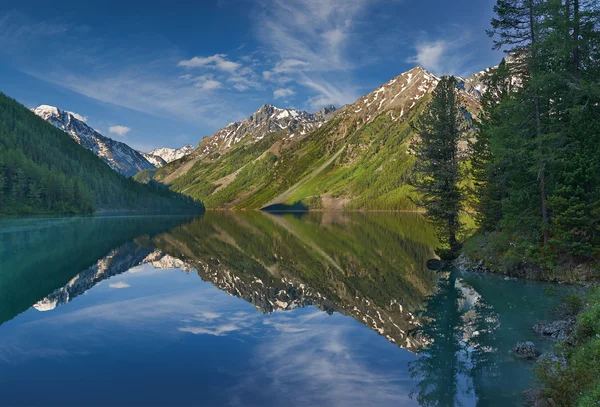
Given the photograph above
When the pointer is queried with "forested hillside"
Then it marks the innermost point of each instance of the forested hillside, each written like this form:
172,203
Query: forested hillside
42,170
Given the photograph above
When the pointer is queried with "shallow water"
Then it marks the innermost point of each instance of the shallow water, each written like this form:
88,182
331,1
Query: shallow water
254,309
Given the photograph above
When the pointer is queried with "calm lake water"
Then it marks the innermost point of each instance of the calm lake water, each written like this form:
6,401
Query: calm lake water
254,309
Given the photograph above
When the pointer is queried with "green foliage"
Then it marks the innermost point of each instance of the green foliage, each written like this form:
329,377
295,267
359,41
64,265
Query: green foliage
437,166
576,381
369,172
572,305
536,161
145,176
43,170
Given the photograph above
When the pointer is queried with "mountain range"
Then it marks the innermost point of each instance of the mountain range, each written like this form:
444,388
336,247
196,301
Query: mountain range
118,155
354,157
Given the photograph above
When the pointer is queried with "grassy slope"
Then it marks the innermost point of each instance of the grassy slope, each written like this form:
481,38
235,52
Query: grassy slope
369,173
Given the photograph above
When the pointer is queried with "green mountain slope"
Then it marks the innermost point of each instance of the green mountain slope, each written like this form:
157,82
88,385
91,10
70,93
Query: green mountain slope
43,170
358,160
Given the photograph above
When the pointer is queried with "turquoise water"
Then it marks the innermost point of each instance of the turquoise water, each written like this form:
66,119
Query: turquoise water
254,309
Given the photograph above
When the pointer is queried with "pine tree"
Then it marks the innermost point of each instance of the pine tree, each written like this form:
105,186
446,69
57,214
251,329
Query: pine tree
486,168
437,169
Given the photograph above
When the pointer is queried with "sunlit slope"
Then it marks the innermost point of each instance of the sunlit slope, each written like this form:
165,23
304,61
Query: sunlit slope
359,159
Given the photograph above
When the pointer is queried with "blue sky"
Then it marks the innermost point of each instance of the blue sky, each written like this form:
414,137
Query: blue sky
172,72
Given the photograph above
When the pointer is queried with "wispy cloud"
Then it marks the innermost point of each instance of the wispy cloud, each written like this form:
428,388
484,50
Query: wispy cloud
150,92
119,130
128,77
219,330
218,61
16,27
283,93
119,284
310,40
442,56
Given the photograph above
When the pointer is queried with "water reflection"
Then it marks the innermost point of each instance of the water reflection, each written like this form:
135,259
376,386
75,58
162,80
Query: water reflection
363,266
368,267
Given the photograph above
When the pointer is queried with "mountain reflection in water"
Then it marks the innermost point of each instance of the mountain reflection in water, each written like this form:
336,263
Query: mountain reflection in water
366,267
370,267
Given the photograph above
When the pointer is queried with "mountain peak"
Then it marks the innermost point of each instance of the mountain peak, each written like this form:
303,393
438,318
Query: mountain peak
171,154
397,96
266,120
46,111
119,156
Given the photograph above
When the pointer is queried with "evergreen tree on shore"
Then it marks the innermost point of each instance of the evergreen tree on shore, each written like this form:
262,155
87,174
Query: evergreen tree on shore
437,169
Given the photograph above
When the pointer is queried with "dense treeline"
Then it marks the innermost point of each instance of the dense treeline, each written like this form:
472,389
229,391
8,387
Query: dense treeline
43,170
536,160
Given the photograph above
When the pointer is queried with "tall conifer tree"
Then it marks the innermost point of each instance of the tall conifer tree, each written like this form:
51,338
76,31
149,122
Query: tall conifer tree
437,170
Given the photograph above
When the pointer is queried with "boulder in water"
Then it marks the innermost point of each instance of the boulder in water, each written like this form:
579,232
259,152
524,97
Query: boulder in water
525,350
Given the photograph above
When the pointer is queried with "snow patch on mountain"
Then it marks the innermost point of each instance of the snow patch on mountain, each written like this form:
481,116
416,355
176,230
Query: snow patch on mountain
172,154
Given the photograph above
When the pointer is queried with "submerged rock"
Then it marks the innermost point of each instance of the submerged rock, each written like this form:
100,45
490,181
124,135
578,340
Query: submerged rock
525,350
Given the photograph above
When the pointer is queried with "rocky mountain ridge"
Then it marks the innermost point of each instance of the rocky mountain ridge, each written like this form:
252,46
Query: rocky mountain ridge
355,157
267,119
119,156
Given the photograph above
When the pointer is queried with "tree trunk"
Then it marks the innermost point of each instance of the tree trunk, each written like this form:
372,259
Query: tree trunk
538,129
576,39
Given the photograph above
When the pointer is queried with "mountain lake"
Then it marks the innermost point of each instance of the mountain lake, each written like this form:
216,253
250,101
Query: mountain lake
255,309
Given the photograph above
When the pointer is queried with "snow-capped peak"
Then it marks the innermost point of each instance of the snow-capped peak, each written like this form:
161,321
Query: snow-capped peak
119,156
266,120
172,154
46,111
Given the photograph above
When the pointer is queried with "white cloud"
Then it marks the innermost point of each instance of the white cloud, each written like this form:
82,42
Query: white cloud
120,284
243,83
430,55
283,92
443,56
79,117
119,130
311,41
217,61
208,315
242,77
209,84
